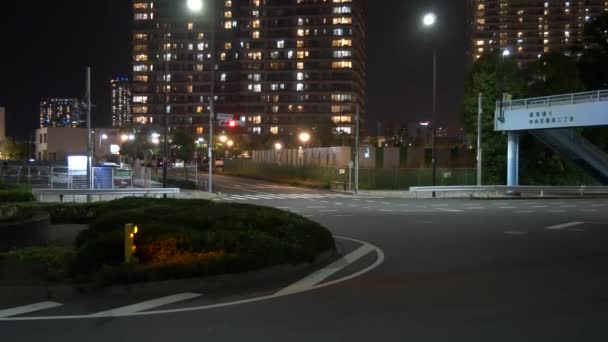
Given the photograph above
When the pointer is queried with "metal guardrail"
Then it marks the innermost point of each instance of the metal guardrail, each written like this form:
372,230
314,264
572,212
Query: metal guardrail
557,100
498,189
41,194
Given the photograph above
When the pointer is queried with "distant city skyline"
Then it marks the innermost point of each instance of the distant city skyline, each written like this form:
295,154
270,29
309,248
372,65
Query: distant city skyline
399,58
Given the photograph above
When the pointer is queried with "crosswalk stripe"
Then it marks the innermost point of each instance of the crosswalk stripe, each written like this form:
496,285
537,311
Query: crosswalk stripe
147,305
28,308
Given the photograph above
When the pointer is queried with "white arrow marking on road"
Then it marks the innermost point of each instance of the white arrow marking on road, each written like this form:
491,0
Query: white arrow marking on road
565,225
147,305
322,274
28,308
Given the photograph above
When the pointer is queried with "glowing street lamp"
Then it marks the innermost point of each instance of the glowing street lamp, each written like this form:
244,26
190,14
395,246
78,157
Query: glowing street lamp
223,139
429,19
195,5
305,137
230,143
124,137
278,146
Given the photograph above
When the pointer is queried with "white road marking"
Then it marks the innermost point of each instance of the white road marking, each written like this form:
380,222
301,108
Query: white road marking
339,203
386,203
440,205
386,210
539,206
322,274
371,201
565,225
450,210
28,308
507,208
516,233
147,305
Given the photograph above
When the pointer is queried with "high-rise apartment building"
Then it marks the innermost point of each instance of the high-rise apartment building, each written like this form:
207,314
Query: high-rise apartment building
121,101
57,112
530,28
281,66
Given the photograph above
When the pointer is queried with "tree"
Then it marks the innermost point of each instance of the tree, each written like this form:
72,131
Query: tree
489,75
11,150
183,147
554,73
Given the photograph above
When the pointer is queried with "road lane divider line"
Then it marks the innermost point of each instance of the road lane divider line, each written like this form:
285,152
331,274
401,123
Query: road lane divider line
565,225
449,210
324,273
20,310
147,305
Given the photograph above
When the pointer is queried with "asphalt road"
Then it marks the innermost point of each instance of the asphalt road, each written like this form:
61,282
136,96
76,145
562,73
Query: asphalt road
454,270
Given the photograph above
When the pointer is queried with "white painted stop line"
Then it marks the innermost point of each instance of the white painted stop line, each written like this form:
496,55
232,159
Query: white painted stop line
147,305
565,225
28,308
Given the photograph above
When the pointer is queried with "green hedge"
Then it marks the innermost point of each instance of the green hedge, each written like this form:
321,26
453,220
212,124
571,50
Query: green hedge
15,194
185,238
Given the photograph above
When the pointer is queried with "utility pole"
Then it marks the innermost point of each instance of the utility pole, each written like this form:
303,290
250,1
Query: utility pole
89,140
211,122
165,109
357,142
212,103
434,121
479,131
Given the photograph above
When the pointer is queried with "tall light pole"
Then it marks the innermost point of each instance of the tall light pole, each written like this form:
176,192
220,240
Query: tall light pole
357,143
196,6
429,21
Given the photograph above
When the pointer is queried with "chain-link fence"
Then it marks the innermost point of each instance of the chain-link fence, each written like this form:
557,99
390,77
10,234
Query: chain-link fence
330,177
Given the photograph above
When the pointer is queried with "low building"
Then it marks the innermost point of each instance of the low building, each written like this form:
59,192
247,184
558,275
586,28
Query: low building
57,143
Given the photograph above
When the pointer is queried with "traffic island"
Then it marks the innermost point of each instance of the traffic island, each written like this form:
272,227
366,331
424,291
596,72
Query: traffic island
175,240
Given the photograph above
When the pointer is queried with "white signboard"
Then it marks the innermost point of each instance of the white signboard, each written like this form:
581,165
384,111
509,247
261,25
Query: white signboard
559,116
222,116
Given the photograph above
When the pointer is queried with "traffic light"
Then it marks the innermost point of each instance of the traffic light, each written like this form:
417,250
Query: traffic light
131,232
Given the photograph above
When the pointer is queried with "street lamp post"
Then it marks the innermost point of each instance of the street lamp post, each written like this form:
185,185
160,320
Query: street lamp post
429,20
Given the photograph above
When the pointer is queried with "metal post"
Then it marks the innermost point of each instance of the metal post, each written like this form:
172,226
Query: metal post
479,130
513,159
357,142
212,103
434,121
211,122
89,140
165,116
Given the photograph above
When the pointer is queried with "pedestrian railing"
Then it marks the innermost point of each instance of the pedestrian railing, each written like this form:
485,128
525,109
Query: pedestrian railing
101,194
530,190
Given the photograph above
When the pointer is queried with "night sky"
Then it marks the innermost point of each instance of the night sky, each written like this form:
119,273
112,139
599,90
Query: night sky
48,44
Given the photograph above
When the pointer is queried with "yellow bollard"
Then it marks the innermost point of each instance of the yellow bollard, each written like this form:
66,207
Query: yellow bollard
131,231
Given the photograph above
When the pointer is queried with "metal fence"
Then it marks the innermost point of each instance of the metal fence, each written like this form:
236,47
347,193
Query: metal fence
45,177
